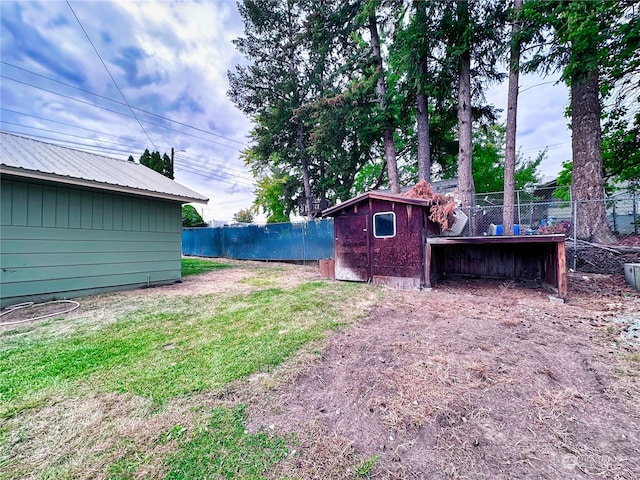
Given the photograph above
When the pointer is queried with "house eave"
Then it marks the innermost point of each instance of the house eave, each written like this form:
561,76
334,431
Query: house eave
77,182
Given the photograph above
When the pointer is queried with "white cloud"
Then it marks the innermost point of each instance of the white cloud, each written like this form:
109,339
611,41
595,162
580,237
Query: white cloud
541,121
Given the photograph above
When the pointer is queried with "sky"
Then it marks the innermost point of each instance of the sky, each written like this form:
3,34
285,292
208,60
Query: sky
118,77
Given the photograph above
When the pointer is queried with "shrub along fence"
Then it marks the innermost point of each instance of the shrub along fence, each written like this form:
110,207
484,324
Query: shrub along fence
277,241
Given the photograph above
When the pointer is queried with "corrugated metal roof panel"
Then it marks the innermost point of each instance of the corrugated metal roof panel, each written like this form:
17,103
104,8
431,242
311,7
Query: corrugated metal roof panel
26,157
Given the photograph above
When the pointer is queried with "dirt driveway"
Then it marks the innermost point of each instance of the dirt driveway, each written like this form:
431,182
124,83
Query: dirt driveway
476,379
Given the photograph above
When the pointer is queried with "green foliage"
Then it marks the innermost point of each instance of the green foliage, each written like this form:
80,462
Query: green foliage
309,92
191,217
197,266
563,191
161,164
366,466
270,197
368,178
244,215
621,144
223,450
488,162
581,37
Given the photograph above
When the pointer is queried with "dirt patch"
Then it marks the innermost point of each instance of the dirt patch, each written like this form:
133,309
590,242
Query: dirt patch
476,379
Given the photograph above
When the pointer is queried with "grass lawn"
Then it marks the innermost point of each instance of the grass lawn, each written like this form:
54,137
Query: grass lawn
142,395
196,266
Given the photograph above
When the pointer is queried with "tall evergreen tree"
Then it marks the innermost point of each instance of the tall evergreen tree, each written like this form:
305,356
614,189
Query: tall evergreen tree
589,43
512,113
161,164
381,89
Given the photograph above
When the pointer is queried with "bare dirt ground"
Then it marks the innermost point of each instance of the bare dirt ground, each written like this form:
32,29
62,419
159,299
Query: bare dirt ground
475,379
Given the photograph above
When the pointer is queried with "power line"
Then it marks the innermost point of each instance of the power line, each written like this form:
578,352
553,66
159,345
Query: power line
120,113
65,124
111,76
205,164
63,95
227,167
67,134
217,175
113,152
120,103
212,176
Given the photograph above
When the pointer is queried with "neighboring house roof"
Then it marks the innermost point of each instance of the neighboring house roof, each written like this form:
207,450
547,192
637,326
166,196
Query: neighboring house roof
28,158
391,197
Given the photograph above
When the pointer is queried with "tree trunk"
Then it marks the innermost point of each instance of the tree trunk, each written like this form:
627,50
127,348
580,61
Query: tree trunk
304,164
510,141
381,87
422,106
587,182
422,114
465,172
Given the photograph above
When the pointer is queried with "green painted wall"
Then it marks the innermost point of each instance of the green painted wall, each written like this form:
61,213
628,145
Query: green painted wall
59,242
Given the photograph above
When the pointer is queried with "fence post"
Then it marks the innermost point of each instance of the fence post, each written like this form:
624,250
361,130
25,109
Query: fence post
519,220
304,233
635,214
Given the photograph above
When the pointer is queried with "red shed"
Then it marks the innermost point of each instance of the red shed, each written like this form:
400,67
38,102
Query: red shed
389,239
380,238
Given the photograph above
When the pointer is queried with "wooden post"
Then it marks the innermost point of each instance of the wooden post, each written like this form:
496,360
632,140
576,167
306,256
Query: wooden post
561,269
427,264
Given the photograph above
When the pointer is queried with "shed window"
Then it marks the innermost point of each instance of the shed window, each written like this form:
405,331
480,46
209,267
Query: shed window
384,225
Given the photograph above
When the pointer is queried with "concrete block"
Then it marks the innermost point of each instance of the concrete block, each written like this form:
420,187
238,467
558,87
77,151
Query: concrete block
632,274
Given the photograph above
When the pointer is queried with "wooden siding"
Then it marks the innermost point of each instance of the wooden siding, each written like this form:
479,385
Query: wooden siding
59,242
535,257
401,255
351,248
394,261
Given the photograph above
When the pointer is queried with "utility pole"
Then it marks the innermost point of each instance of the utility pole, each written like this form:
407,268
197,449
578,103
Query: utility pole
172,170
173,153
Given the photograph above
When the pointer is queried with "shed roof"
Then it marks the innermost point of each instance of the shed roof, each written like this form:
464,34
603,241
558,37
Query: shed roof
391,197
28,158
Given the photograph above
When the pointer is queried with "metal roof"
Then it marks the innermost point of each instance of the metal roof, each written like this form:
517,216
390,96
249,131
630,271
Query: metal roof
391,197
28,158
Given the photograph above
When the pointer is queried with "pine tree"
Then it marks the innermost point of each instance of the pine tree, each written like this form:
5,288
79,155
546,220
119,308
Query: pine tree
591,44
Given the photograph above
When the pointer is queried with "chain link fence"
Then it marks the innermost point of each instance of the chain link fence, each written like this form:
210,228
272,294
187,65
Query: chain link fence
540,211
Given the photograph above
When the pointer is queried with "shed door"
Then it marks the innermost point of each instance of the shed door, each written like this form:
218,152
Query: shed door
352,248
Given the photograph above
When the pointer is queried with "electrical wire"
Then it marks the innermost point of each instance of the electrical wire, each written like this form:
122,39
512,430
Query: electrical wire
66,134
244,144
122,114
200,171
111,76
65,124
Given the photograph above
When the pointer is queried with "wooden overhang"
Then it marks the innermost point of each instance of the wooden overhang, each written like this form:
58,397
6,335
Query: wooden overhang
524,256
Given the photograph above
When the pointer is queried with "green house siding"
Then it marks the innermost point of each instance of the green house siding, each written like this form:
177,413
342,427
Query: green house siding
60,242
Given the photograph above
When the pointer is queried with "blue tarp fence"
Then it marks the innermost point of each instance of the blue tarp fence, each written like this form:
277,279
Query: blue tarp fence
311,240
